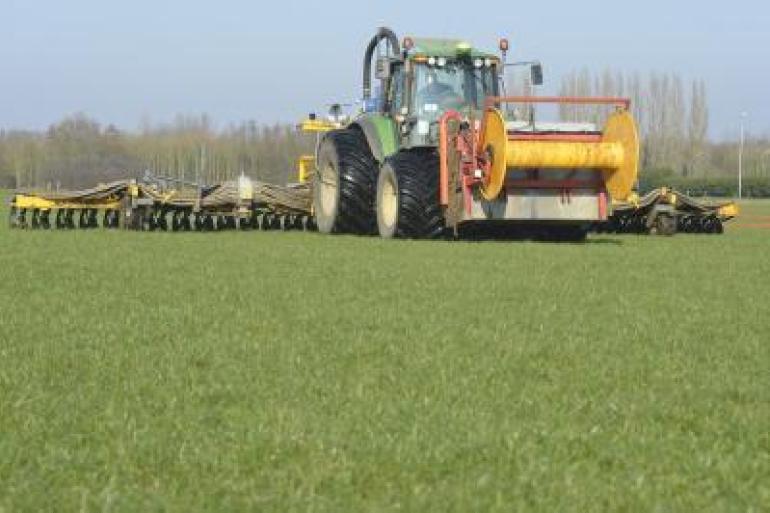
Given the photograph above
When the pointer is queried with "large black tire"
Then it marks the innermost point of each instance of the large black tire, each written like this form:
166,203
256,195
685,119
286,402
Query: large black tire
345,183
407,196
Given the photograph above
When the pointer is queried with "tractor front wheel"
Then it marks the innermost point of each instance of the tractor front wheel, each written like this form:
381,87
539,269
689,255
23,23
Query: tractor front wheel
407,196
344,184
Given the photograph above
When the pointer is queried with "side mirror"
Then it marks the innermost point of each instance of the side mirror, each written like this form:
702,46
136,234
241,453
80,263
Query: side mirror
382,68
536,74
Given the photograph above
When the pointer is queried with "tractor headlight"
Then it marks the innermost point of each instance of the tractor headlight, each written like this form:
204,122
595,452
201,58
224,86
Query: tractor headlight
441,61
487,62
478,63
431,61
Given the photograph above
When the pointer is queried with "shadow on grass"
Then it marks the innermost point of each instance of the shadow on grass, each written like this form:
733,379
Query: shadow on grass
548,234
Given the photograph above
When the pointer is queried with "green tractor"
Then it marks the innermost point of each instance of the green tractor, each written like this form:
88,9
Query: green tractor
430,151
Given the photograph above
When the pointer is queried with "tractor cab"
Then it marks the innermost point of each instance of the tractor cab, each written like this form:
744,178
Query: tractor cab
429,77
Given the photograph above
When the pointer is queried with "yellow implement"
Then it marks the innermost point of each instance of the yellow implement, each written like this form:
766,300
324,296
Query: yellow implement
305,167
306,163
616,155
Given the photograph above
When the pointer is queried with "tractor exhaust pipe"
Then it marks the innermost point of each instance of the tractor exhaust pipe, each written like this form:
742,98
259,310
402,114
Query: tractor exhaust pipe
395,47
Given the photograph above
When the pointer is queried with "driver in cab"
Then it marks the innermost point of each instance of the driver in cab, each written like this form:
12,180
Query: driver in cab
437,95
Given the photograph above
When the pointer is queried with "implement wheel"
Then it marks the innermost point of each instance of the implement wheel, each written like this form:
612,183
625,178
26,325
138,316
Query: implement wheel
407,196
713,225
665,225
344,186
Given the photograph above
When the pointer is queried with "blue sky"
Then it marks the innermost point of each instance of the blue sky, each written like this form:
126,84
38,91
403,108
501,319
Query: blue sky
128,61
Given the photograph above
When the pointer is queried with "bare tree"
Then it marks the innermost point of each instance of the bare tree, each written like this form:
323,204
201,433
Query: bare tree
697,128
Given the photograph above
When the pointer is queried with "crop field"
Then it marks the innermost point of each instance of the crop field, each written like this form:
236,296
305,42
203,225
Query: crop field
296,372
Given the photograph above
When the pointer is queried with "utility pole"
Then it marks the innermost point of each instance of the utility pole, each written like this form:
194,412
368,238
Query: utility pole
740,156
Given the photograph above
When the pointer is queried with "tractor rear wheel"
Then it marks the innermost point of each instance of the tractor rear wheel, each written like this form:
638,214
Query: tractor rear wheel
344,186
407,196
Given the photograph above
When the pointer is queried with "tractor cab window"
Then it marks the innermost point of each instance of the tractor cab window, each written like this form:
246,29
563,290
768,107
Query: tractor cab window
454,86
396,93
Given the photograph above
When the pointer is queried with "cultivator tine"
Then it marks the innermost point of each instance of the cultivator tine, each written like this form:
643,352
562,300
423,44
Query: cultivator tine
156,220
716,226
186,223
175,221
69,218
45,219
35,221
264,221
110,219
16,218
87,219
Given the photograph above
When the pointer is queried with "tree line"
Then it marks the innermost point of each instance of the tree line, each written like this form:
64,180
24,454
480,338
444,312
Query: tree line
80,152
673,119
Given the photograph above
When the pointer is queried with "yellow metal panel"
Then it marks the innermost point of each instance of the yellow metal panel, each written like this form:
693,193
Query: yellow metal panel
29,202
729,210
621,129
317,125
495,142
32,202
305,166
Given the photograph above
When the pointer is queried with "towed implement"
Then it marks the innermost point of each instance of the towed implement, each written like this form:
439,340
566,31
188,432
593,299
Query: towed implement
150,204
667,211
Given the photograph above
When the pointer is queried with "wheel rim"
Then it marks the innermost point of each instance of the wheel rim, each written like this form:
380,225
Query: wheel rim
389,202
328,192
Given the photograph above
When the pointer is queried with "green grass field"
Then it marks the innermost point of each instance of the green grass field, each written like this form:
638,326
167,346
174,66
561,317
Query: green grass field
296,372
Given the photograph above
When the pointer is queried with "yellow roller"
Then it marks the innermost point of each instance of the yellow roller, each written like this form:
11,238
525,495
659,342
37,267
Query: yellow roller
616,156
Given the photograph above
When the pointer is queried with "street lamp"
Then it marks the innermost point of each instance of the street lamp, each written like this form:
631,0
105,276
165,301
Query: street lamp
740,156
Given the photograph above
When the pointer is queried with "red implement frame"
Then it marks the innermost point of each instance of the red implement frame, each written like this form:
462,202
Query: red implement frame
470,162
443,177
625,103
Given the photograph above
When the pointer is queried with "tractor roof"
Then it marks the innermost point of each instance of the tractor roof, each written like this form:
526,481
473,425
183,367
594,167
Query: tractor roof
449,48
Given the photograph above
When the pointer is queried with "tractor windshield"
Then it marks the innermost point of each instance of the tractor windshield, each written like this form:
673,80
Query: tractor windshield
459,86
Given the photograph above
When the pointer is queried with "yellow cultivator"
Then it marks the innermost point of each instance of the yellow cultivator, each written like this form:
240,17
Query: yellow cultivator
151,205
